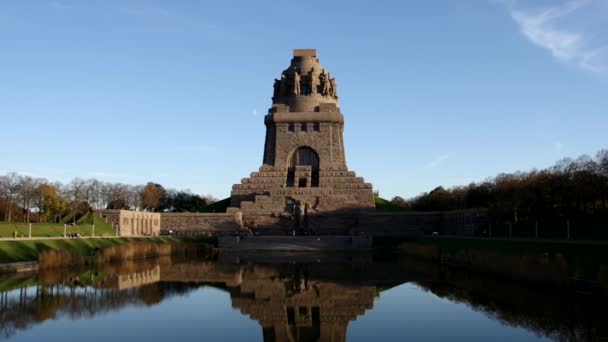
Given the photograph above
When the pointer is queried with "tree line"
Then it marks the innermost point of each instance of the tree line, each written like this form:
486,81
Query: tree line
570,189
24,198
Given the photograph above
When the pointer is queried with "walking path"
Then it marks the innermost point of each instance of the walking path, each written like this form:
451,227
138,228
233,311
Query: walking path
67,238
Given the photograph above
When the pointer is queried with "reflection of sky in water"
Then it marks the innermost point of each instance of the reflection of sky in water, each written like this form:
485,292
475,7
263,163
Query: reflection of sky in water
408,312
205,314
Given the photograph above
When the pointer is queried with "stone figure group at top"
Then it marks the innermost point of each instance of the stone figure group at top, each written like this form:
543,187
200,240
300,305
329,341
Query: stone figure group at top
294,84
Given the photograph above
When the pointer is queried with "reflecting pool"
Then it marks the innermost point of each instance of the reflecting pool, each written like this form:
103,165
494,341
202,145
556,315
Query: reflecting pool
291,298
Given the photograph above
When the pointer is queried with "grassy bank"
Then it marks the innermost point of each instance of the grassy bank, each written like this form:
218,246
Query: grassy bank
537,260
450,246
84,226
30,250
386,205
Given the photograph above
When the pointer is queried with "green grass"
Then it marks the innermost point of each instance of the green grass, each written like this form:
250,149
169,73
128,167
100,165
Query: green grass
28,250
386,205
217,207
16,283
454,244
584,260
84,226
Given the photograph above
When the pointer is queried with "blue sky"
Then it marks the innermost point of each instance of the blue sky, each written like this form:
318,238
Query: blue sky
433,92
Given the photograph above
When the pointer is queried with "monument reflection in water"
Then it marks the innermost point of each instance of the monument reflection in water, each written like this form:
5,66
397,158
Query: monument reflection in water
297,301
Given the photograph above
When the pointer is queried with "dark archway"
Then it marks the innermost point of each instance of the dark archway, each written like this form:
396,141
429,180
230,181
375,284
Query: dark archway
303,156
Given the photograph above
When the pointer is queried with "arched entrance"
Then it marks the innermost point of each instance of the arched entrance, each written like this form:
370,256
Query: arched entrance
303,170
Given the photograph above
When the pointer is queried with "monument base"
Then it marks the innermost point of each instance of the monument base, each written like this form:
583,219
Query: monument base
295,243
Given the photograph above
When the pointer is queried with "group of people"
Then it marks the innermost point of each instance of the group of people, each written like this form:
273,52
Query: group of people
75,235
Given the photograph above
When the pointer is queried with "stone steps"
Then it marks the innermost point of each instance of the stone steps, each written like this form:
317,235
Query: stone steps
256,186
328,185
281,180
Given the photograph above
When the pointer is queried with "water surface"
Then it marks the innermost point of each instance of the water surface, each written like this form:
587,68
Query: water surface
290,299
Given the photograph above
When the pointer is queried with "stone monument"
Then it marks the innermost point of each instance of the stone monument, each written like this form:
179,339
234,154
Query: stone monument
303,185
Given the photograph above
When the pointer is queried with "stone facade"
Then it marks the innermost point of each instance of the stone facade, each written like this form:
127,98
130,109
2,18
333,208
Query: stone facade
201,223
304,171
133,223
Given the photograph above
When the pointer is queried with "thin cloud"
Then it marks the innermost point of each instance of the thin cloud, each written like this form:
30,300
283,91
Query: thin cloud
437,161
61,5
558,146
570,45
172,20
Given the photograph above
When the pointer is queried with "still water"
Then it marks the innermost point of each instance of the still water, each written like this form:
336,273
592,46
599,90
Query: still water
287,298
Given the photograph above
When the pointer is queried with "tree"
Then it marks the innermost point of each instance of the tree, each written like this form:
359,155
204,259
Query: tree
135,196
153,196
76,191
93,190
9,187
399,201
602,161
185,201
51,202
114,195
27,189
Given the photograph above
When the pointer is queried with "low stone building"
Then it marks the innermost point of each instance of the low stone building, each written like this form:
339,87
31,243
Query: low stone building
133,223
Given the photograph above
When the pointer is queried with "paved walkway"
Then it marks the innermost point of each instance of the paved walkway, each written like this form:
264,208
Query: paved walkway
68,238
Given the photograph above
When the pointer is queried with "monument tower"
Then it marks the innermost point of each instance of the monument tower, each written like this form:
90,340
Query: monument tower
304,182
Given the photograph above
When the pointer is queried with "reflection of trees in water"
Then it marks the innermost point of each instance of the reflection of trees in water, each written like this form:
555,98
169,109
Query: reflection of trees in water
19,309
551,312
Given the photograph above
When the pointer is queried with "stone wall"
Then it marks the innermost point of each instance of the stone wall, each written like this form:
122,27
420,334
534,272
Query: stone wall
455,222
193,224
398,223
464,222
374,223
295,243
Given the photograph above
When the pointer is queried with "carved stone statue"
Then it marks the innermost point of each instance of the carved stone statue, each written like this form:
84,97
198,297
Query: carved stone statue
326,83
296,83
334,88
314,81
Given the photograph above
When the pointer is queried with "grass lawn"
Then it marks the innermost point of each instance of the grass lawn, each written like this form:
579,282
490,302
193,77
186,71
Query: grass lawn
386,205
84,226
28,250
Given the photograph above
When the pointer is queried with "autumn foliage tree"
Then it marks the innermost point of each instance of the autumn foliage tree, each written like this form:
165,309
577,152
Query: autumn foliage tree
573,190
153,197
